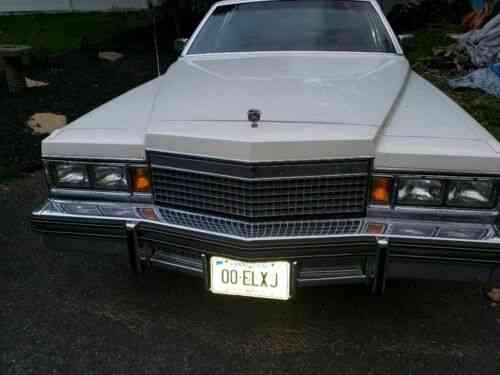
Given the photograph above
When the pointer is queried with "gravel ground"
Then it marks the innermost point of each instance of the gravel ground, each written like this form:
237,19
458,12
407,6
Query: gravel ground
86,314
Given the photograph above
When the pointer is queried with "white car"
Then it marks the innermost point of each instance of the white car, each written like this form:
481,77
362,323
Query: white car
290,145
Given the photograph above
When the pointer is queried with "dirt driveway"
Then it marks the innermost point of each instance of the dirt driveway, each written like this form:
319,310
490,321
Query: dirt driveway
85,314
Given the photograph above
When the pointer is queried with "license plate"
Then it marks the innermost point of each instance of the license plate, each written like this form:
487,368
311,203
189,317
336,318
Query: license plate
269,280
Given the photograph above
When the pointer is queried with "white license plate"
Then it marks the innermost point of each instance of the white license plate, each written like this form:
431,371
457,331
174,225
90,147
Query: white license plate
250,279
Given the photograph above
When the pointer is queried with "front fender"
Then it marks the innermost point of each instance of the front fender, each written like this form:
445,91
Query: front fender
427,131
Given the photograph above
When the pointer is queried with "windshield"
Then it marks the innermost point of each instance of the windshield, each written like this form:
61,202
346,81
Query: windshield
294,25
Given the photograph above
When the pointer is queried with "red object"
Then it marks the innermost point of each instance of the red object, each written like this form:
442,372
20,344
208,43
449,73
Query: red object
476,19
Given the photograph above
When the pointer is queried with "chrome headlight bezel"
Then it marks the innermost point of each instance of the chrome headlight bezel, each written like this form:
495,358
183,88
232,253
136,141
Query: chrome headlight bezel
104,177
444,185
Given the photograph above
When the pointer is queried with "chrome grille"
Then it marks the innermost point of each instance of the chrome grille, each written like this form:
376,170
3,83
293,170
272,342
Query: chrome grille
286,191
242,229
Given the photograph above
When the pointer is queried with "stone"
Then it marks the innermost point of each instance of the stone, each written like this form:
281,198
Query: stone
46,123
110,56
31,83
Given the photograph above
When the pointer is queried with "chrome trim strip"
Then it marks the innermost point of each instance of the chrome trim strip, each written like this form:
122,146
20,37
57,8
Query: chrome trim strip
52,209
427,213
122,196
94,160
326,159
153,166
434,174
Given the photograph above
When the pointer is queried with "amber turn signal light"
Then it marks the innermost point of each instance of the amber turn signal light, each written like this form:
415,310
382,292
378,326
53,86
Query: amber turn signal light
375,228
141,180
149,213
381,190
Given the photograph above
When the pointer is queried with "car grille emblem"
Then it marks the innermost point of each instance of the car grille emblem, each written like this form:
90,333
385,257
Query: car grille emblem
254,116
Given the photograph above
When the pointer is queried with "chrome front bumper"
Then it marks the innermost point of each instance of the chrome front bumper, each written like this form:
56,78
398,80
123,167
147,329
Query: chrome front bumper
321,251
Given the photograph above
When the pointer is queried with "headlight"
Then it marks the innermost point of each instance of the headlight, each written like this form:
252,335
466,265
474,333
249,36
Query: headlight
471,194
100,177
70,175
111,177
417,191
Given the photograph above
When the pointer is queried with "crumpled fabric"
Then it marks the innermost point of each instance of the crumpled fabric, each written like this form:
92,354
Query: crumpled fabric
483,46
478,5
496,69
486,79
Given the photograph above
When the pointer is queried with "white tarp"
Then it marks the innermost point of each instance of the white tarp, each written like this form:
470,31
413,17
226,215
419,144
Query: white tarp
485,79
483,45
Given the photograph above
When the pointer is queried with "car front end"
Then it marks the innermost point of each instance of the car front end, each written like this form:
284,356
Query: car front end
261,170
331,222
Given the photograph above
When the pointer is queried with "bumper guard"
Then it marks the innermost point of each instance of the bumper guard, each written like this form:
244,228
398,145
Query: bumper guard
321,252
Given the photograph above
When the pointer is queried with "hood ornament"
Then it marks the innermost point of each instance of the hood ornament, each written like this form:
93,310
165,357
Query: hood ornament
254,116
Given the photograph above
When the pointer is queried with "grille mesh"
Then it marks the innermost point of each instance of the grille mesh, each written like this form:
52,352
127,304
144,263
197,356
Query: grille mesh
261,230
261,198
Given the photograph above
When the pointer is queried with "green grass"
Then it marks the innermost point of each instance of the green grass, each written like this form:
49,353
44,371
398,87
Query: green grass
483,107
59,33
429,38
8,174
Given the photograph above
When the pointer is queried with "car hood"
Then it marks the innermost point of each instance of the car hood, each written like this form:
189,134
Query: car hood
335,88
313,106
377,109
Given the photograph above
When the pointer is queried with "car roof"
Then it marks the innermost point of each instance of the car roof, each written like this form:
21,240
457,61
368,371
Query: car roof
229,2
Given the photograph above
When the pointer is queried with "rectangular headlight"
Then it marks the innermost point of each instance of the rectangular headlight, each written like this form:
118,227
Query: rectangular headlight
420,191
72,175
471,194
111,177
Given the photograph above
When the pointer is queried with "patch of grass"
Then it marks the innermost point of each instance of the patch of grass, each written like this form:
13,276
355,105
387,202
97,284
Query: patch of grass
8,174
59,33
483,107
427,39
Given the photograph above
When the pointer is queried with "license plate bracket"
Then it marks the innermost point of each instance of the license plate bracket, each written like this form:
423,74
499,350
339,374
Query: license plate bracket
268,280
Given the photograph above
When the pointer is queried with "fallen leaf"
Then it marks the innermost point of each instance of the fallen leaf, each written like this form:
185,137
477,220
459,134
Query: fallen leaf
31,83
46,123
110,56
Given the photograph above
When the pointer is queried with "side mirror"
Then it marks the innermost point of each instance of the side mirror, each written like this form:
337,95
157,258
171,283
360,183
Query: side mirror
179,45
403,38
